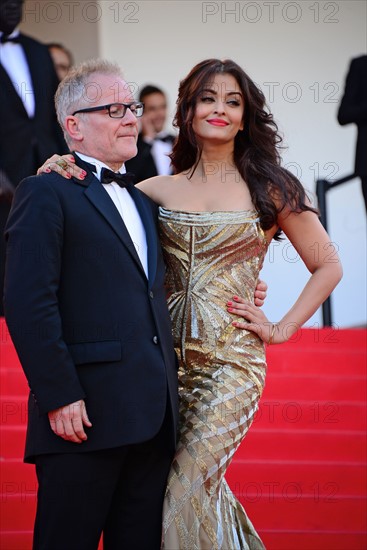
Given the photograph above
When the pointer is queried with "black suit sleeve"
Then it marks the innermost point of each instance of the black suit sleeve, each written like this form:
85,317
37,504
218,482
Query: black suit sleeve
33,270
353,107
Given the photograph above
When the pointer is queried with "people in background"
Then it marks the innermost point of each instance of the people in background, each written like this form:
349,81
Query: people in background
29,129
353,109
62,58
154,142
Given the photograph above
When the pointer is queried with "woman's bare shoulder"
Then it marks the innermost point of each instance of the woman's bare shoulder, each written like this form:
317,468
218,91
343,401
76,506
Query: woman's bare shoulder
158,187
151,183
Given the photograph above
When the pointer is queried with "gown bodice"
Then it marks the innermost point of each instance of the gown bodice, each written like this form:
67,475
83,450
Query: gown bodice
211,257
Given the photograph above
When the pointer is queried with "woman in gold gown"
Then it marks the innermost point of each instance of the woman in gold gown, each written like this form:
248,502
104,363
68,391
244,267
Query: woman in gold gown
217,215
211,257
229,198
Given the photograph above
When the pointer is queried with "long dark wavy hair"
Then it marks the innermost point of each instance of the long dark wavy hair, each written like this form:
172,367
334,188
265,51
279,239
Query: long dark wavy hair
256,147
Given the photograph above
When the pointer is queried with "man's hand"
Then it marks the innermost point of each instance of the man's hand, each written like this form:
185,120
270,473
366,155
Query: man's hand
260,293
67,422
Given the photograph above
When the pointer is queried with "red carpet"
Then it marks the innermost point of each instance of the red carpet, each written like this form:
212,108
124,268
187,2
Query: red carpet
301,472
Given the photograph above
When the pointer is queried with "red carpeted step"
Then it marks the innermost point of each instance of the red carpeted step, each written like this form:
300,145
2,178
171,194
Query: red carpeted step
301,471
318,362
315,387
331,361
12,441
322,540
317,415
329,338
16,540
14,469
13,410
13,382
15,475
323,480
15,506
310,445
299,512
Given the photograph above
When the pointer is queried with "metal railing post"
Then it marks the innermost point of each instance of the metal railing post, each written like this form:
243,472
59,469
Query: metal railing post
322,187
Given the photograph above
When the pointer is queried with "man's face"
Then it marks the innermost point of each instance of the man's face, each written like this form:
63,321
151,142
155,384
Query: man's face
61,62
155,108
110,140
10,15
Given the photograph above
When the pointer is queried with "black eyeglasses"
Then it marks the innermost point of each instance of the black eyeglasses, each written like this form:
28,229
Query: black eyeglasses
116,110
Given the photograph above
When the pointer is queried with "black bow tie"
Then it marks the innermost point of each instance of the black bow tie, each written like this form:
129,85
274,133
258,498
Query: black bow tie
123,180
6,38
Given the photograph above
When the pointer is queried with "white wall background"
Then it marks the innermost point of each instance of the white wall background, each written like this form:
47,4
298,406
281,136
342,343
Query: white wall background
297,52
72,23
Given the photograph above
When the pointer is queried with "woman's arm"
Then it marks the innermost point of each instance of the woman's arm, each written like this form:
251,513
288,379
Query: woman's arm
66,167
63,165
312,243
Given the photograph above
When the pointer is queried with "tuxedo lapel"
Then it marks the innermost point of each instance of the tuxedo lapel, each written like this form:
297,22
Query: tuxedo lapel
100,199
150,229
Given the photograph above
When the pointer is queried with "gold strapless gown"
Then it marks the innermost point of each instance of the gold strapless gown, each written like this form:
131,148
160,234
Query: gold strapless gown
211,257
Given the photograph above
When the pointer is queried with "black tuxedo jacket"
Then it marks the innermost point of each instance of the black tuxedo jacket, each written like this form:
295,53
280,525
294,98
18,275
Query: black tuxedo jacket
143,165
353,108
85,320
26,143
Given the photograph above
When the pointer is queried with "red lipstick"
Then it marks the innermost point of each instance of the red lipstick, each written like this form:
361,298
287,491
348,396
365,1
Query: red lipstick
218,122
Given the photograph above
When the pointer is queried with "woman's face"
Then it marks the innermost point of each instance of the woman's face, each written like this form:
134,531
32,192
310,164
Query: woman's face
219,110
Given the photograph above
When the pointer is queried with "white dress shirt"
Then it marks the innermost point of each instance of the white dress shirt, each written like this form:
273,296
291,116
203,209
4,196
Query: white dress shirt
127,210
160,151
14,61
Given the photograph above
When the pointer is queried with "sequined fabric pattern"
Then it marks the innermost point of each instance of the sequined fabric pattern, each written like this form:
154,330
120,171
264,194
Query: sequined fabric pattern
211,257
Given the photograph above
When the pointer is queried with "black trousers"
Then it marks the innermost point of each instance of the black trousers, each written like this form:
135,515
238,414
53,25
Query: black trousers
117,491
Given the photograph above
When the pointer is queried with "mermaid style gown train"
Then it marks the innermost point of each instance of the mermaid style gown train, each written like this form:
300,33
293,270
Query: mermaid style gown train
211,257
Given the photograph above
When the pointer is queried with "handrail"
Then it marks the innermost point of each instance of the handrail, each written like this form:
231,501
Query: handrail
322,187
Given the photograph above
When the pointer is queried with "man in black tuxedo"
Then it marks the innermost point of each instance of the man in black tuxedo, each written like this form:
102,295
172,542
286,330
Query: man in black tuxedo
353,108
29,130
154,143
86,308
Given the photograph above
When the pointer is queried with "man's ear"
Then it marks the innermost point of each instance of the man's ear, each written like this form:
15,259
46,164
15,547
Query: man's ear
72,126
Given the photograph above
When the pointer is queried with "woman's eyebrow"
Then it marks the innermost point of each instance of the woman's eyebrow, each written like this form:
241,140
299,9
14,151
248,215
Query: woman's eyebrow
210,90
213,91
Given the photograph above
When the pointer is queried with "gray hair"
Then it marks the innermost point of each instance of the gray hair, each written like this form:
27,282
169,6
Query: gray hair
77,88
